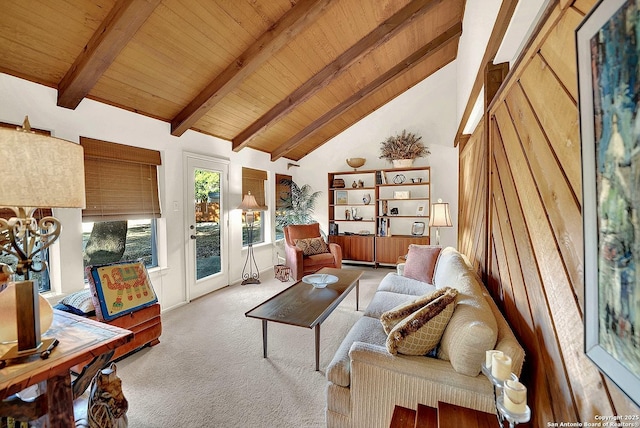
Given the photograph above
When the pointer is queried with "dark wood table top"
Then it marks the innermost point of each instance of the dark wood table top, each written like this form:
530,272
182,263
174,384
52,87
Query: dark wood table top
80,338
305,306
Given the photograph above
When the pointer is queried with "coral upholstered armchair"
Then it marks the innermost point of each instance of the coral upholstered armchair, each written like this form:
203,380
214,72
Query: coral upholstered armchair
306,252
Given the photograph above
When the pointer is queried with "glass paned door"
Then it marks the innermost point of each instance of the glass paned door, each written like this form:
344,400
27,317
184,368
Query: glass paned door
206,225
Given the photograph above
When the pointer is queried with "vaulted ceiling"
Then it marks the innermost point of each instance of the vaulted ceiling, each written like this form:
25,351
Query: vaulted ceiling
280,76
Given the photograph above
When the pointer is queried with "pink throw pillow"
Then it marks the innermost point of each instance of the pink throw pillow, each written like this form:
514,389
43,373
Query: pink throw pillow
421,262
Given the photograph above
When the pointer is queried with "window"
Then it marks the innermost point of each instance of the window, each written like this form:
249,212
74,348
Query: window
254,181
119,222
283,194
41,260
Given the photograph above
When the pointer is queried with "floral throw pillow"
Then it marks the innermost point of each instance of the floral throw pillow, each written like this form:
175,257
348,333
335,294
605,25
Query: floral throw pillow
312,246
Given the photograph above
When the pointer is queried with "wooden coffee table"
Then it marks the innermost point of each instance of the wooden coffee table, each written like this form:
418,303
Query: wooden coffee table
304,306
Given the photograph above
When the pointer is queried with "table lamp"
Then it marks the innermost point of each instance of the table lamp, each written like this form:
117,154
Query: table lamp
249,205
439,217
38,171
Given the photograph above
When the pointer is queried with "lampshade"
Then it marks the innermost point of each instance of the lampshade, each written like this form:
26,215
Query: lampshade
40,171
440,216
249,203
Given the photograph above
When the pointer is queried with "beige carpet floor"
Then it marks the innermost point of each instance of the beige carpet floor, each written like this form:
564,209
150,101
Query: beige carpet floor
208,370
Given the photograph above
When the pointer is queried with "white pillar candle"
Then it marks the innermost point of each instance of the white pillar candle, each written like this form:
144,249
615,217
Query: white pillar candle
515,396
489,357
501,366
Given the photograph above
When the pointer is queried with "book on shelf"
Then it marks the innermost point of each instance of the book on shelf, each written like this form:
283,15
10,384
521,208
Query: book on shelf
383,227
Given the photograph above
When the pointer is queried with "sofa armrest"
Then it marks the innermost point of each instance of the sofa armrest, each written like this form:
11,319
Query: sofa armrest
380,381
400,268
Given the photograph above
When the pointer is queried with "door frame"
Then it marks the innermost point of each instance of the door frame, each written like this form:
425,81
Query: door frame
216,164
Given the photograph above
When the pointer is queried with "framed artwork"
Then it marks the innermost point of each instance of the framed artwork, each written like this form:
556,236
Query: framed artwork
610,131
342,197
418,228
420,210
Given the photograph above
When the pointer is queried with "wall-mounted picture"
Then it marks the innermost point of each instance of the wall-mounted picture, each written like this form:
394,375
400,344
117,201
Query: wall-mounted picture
342,197
610,131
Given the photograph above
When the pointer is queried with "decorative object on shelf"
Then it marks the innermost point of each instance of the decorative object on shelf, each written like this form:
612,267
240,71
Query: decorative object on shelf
347,214
402,194
418,228
338,183
354,184
360,183
439,217
342,197
356,163
420,210
249,204
608,131
385,207
333,228
509,393
40,172
399,179
416,180
405,147
366,199
394,211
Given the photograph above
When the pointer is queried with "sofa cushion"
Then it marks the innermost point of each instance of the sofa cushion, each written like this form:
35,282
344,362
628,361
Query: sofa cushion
79,303
449,266
390,318
384,301
472,329
421,262
312,246
366,330
421,331
399,284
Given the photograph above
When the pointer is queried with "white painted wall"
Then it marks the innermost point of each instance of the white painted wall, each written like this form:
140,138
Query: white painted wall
95,120
429,110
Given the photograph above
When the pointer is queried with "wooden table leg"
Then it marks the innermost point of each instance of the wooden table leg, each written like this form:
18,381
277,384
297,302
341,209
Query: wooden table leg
264,338
357,295
60,401
317,347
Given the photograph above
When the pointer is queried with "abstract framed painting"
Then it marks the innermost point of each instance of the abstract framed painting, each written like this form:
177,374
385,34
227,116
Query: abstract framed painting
609,85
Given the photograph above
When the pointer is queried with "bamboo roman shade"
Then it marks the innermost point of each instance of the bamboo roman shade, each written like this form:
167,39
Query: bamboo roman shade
121,182
253,181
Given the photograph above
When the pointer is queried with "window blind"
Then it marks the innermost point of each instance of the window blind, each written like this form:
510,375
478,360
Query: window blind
253,181
121,182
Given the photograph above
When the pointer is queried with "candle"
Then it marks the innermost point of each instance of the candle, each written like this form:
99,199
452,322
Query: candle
501,366
515,396
489,357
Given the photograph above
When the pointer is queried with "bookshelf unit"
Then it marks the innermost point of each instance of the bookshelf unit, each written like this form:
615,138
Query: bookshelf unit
382,228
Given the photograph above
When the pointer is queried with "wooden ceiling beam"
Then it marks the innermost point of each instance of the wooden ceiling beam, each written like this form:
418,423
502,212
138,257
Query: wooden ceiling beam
270,42
495,40
451,35
375,38
122,23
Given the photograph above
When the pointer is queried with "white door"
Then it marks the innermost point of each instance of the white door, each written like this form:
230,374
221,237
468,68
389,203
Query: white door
207,225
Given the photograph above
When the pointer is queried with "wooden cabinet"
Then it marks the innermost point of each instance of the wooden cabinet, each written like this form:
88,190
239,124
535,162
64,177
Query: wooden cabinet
355,247
390,204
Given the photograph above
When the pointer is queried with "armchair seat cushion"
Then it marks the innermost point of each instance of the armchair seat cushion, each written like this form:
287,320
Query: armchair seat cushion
319,259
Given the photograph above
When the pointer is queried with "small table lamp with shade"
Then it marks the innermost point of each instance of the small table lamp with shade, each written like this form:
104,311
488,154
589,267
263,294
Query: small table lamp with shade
38,172
439,217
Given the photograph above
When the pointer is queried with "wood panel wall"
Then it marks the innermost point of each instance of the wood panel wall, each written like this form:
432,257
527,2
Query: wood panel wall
533,259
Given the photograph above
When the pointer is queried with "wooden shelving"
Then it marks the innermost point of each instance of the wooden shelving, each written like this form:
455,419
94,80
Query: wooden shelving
374,213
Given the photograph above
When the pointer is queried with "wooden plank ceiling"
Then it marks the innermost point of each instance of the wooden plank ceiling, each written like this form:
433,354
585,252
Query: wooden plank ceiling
280,76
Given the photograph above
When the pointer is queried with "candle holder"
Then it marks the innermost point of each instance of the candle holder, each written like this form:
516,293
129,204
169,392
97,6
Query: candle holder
501,411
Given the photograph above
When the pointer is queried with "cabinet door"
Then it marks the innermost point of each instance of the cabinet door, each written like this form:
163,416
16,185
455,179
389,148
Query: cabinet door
354,247
389,248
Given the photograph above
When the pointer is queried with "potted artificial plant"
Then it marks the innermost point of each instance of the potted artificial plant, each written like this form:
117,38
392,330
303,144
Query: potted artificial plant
402,149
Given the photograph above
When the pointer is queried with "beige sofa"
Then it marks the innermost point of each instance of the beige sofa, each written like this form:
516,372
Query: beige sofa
366,382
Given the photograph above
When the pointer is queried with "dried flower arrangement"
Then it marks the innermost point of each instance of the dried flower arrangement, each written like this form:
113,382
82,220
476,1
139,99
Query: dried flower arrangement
403,146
